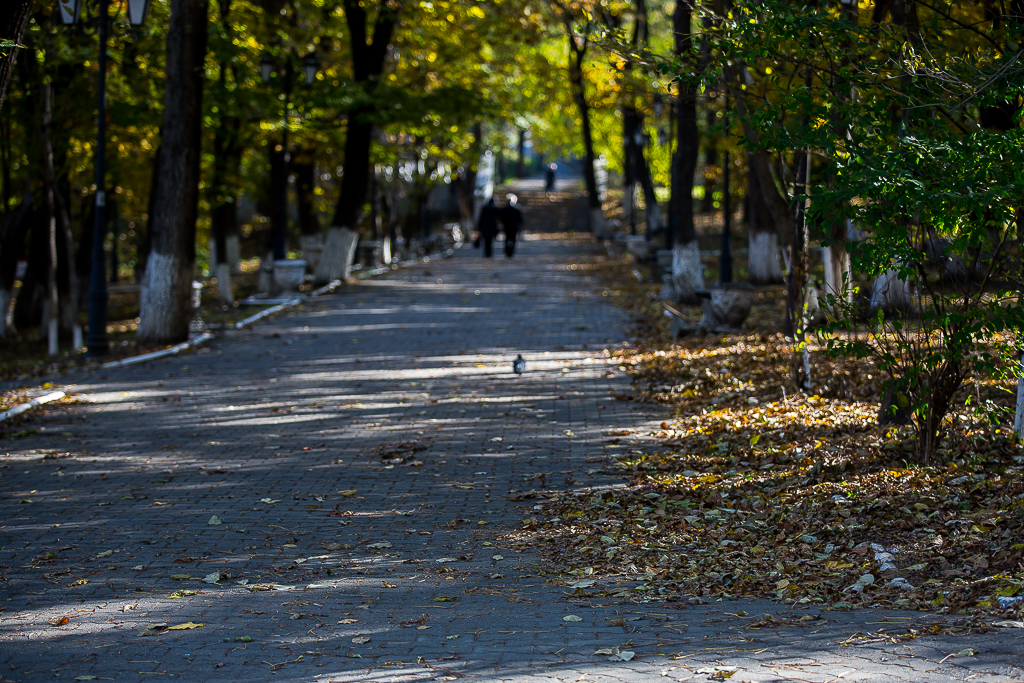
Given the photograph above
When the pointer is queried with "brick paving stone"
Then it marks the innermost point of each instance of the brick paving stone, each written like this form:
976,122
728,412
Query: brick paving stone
358,454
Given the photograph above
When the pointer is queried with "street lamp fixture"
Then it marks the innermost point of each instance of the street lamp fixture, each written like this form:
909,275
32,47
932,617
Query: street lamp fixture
69,11
137,12
96,341
311,67
266,67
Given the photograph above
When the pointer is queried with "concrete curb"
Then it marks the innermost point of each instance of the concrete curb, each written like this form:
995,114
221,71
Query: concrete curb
172,351
326,289
38,401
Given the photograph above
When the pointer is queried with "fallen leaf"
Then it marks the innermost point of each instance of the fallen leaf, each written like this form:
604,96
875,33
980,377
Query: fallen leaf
187,626
63,621
380,544
361,640
348,621
105,553
1009,623
269,501
572,617
349,492
214,520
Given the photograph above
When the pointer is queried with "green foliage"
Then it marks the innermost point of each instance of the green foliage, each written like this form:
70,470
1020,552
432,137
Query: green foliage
893,114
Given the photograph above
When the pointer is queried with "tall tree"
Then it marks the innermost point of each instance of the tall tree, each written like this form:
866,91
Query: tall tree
14,15
369,56
635,167
227,157
687,271
579,42
166,301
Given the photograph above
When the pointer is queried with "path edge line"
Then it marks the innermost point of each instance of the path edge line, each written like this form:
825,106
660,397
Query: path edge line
38,401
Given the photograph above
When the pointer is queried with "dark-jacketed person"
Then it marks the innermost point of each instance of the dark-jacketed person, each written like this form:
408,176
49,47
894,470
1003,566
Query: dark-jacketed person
487,226
512,222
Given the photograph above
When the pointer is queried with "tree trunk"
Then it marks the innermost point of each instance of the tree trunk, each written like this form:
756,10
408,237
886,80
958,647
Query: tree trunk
837,262
11,247
652,211
577,55
521,154
687,272
763,264
368,59
801,290
223,199
630,128
52,307
14,16
28,307
166,300
305,198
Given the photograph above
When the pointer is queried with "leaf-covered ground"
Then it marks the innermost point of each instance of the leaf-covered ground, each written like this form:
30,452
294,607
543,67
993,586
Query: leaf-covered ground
756,491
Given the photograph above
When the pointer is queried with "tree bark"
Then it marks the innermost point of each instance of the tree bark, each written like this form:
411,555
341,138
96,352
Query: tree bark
577,56
49,180
521,154
763,264
14,16
687,271
11,247
166,301
227,158
368,59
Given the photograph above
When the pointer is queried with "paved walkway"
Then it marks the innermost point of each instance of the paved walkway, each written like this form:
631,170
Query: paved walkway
340,479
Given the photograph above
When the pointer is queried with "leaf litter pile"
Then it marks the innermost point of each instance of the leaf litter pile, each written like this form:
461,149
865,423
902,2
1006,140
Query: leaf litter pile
754,491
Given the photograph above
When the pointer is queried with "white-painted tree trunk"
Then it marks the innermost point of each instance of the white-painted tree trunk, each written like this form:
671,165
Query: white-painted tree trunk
223,274
629,205
233,246
53,336
312,249
336,260
763,265
890,293
687,271
1018,422
837,272
77,341
599,224
5,313
655,222
165,287
812,311
265,282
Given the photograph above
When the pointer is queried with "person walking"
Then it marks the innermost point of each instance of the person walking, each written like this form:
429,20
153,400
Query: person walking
512,222
487,226
549,177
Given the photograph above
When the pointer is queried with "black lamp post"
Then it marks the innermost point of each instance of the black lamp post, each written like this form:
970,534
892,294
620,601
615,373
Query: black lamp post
96,341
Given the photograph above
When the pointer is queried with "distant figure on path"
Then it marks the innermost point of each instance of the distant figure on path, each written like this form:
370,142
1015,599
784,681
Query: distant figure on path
549,177
487,226
512,222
